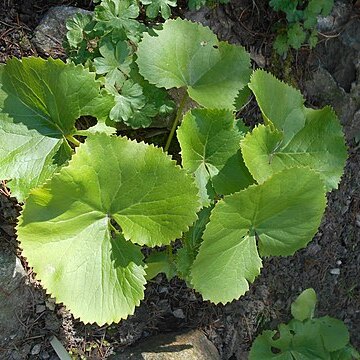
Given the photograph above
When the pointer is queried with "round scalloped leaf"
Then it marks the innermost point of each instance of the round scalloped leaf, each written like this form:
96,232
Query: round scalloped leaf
213,72
99,278
209,141
39,103
319,145
281,215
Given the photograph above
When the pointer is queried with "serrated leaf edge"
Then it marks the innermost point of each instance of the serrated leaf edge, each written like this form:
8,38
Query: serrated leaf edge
257,246
218,43
47,182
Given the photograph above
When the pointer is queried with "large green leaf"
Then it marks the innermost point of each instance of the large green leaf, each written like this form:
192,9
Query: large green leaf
152,200
209,141
39,103
213,72
281,216
294,135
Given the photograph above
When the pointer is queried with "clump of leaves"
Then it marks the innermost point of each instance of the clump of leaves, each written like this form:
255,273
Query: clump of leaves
301,21
106,43
305,337
240,195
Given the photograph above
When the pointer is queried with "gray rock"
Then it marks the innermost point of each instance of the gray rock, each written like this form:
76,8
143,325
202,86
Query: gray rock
179,313
193,345
351,34
337,79
340,14
40,309
324,88
50,33
13,296
36,349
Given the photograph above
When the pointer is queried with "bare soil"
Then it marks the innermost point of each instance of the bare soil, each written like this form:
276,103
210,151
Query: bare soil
233,327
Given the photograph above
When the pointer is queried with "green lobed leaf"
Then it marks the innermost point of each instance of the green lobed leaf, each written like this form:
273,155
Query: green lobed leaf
296,35
118,14
303,307
305,338
295,135
39,103
131,106
313,39
98,278
157,97
299,342
196,4
281,44
279,216
142,118
76,27
114,62
209,141
129,99
213,72
154,7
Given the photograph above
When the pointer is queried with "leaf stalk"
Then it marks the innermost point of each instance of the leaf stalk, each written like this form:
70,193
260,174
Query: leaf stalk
74,141
176,121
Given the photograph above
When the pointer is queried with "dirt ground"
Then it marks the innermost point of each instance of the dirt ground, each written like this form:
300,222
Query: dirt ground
233,327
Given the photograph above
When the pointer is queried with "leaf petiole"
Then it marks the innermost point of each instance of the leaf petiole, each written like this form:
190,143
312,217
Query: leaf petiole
74,141
169,249
176,121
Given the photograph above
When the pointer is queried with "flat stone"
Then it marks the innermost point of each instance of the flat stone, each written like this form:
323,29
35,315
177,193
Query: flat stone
13,295
335,271
40,309
340,14
193,345
179,313
50,33
351,34
36,349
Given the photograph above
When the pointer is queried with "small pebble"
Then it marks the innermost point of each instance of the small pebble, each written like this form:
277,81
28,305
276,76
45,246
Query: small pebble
178,313
192,297
50,304
36,349
44,355
163,289
335,271
40,309
358,220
